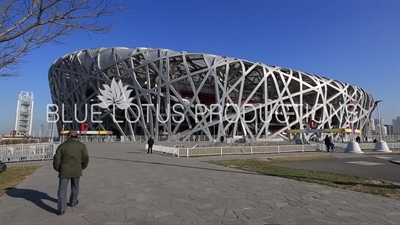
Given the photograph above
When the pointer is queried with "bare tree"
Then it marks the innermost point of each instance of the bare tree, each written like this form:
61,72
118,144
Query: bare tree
26,25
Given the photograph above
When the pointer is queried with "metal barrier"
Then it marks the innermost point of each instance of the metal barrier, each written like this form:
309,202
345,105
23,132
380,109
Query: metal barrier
209,150
229,150
27,152
167,150
180,145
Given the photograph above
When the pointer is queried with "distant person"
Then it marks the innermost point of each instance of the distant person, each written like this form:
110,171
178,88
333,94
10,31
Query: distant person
358,139
328,143
374,140
150,143
222,139
333,146
70,160
366,139
3,166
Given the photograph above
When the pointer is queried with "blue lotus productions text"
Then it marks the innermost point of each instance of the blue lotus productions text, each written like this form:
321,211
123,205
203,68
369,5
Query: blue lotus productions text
230,113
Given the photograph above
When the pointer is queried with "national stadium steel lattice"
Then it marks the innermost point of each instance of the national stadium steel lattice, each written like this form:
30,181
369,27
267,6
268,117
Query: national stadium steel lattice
282,99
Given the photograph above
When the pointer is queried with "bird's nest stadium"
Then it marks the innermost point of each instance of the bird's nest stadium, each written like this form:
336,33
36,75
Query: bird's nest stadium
176,95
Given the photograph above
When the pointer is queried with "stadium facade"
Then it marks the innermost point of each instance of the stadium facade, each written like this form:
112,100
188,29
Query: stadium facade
156,80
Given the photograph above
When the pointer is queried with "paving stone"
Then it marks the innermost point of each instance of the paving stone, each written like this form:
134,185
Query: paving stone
172,219
271,220
325,221
361,218
234,222
281,204
212,222
207,214
304,220
344,213
220,212
124,188
114,215
315,213
96,217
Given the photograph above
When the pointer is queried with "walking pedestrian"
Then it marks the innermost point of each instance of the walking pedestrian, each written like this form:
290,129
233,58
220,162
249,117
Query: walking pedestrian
150,143
327,143
70,160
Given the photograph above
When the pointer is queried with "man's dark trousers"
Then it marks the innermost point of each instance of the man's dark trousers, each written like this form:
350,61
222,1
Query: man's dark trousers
150,149
62,193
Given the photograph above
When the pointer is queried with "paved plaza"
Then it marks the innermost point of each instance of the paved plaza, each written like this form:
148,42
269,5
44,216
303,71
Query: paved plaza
124,185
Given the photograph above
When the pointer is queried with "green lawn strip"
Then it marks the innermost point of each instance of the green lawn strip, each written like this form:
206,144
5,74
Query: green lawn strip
14,175
343,181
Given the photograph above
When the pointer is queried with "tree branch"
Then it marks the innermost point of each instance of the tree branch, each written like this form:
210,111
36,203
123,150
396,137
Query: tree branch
30,24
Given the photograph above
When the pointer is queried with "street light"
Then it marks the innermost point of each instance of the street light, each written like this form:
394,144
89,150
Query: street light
380,146
379,119
352,146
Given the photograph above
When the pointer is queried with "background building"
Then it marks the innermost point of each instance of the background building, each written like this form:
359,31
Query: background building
389,129
281,99
24,114
396,125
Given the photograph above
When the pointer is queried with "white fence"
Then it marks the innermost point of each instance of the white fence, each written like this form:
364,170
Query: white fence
45,151
231,150
27,152
169,150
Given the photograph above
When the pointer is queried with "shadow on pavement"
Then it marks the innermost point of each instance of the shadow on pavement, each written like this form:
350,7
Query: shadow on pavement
33,196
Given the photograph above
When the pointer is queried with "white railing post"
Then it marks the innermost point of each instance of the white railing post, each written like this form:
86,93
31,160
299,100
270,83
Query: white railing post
187,152
251,150
43,152
221,151
278,150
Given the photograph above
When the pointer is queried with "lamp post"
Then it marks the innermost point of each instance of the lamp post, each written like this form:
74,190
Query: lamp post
352,146
380,120
381,145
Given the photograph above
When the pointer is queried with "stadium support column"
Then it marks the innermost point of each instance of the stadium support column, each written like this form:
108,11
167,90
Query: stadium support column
381,145
300,108
266,102
256,124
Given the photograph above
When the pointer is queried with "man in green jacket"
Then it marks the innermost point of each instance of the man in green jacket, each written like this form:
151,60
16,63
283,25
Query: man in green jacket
70,159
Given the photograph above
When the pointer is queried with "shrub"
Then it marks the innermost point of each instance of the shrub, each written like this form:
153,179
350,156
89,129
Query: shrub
20,141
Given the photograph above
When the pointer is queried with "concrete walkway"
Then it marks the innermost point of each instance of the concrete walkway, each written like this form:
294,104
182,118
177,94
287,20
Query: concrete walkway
123,185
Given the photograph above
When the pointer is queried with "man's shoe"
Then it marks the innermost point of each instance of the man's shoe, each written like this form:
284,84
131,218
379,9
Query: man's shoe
77,201
61,213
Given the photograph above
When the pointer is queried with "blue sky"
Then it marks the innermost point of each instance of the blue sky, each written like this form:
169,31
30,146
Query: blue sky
351,41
